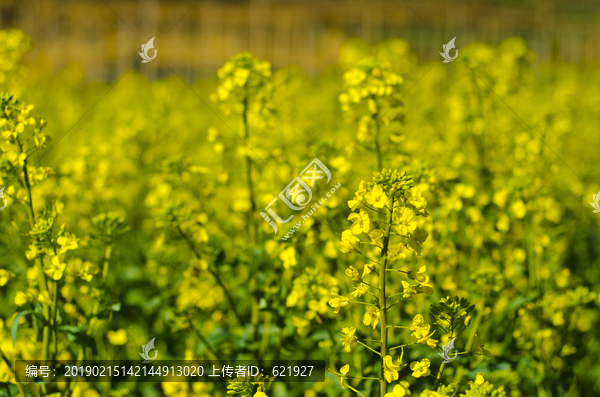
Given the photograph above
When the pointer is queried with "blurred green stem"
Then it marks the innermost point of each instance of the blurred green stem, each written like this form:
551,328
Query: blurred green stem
212,353
107,255
39,263
251,217
377,148
54,325
382,296
213,273
105,267
252,226
438,378
265,339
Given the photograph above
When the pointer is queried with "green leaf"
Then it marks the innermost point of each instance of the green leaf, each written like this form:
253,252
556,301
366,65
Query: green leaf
15,324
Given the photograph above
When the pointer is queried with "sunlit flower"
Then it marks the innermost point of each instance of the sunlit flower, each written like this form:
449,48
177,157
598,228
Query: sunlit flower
404,222
400,390
377,197
362,222
359,291
55,268
348,338
349,242
288,257
479,379
118,337
371,317
420,368
413,197
338,301
352,272
390,370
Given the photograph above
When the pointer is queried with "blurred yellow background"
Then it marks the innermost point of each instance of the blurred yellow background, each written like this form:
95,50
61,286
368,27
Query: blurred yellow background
195,38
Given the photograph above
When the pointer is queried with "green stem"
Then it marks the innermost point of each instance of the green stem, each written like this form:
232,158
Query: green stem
377,148
393,304
382,296
106,265
39,263
214,274
265,338
374,351
96,309
439,377
251,220
212,352
54,325
372,286
401,346
252,225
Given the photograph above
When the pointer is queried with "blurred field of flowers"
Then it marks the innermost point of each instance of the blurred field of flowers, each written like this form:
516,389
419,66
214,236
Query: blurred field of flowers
142,221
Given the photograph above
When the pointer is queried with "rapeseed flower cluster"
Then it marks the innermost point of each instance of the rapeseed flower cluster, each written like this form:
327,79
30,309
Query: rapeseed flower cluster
146,221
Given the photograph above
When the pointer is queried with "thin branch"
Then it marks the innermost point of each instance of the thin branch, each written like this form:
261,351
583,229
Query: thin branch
374,351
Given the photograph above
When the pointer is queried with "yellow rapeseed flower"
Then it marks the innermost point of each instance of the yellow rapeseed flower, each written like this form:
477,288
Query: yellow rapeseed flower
407,290
288,256
413,197
300,323
349,242
361,222
479,379
359,291
348,338
118,337
377,197
21,298
371,317
55,268
430,393
396,251
420,368
404,222
421,333
400,390
5,277
338,301
390,370
352,272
